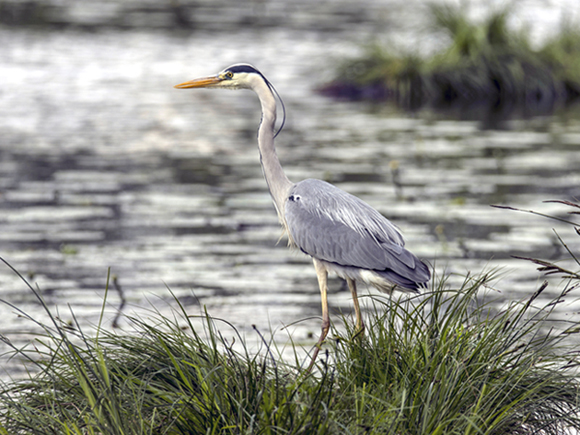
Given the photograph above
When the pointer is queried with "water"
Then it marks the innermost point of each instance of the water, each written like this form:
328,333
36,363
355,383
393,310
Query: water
104,165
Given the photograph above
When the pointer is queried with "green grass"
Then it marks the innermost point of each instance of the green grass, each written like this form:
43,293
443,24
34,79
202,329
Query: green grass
484,62
447,362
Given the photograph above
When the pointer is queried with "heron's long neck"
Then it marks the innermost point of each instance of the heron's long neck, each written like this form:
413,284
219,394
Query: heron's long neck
278,183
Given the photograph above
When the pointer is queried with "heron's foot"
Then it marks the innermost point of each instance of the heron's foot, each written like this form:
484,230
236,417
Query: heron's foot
319,343
317,348
359,332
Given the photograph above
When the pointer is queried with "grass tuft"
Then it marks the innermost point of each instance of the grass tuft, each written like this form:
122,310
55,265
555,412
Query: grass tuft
452,363
448,362
485,64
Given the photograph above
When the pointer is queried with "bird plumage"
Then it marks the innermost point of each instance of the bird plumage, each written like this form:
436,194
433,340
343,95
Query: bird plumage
339,231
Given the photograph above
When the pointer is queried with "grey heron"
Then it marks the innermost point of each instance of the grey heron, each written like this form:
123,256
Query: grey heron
339,231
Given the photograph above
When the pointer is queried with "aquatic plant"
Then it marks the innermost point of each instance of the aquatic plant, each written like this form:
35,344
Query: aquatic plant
484,63
562,53
446,362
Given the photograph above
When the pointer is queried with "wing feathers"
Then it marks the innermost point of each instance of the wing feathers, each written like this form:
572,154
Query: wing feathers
332,225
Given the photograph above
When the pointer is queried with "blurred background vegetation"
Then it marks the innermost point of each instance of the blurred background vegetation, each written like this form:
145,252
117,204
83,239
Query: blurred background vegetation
485,63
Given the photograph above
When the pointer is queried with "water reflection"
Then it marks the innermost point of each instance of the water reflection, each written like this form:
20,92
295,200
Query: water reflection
103,165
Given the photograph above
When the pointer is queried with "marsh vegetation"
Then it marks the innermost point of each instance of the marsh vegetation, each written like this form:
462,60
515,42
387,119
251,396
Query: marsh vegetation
485,64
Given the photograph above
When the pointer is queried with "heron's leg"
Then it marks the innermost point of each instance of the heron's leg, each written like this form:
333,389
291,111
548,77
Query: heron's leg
360,326
321,274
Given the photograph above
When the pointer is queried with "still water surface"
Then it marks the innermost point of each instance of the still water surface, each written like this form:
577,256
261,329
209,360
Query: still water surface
104,165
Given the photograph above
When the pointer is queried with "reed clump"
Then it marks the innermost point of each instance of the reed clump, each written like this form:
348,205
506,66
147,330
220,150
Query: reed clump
448,362
485,63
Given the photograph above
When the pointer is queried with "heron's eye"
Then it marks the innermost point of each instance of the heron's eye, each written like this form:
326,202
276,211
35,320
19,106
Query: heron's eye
229,74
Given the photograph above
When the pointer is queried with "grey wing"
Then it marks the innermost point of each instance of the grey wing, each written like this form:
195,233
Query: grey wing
332,225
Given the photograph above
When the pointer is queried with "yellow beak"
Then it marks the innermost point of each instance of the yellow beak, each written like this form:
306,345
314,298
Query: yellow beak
199,83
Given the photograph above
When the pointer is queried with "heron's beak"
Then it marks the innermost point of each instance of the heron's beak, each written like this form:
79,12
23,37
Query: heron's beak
199,83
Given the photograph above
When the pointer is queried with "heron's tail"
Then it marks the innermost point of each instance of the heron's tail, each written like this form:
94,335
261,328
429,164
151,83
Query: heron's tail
413,281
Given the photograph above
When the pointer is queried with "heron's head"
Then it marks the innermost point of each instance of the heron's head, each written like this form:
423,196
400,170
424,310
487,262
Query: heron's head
239,76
